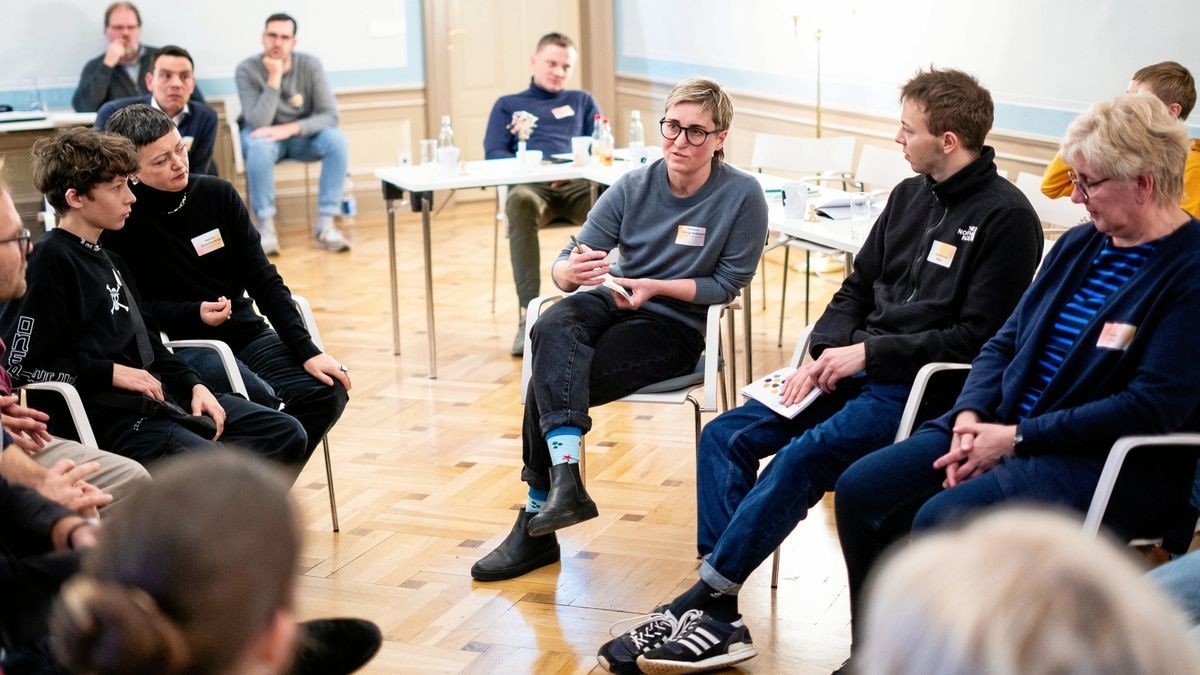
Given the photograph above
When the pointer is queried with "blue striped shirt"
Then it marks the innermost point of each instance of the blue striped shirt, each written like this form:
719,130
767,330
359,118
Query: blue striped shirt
1110,269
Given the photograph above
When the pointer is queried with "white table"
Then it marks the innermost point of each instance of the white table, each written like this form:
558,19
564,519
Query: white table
53,120
421,181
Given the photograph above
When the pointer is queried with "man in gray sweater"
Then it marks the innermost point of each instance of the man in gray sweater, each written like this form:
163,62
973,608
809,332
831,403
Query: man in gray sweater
289,112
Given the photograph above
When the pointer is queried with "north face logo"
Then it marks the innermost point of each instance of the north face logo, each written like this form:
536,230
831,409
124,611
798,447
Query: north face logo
968,234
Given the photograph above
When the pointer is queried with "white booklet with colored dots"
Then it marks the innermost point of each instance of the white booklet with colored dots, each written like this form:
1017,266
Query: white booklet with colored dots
766,390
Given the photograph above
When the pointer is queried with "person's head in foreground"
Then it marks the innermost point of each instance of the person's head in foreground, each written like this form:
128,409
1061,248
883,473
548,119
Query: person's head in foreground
696,119
1128,155
944,120
197,576
1019,591
162,154
84,174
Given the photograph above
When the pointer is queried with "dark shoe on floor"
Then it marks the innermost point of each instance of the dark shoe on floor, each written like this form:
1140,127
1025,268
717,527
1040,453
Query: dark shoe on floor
518,345
700,645
567,504
335,646
647,632
519,553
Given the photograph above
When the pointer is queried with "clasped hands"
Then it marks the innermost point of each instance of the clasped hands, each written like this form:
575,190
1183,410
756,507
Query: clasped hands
975,447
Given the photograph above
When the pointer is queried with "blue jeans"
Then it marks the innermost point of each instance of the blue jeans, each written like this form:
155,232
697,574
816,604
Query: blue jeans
327,146
887,495
249,426
744,516
273,375
1180,579
588,352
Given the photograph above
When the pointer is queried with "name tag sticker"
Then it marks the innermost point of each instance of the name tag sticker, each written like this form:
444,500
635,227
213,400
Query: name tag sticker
690,236
562,111
208,242
1116,336
942,254
188,142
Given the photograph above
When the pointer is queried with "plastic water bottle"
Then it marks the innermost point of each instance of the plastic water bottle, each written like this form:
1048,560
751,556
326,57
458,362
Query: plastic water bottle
349,202
637,138
446,134
596,131
604,147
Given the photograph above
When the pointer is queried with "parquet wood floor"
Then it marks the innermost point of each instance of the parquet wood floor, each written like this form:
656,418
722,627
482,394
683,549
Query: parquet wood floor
427,478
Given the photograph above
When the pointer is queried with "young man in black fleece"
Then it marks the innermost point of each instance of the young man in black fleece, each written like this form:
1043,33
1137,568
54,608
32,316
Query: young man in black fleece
195,255
942,268
80,322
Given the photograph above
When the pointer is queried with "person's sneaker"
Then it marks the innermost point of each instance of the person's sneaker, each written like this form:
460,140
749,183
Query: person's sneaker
335,646
648,631
518,345
331,238
270,242
698,646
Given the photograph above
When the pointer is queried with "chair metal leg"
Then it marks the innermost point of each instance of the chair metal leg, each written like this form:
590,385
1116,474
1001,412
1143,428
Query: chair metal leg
308,207
807,286
731,351
775,570
762,261
724,391
329,482
496,249
787,254
696,411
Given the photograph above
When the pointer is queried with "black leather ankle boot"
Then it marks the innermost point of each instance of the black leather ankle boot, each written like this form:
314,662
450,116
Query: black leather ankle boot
519,553
567,504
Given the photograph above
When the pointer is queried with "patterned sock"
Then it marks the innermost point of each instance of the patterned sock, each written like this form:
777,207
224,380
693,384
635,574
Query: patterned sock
537,499
722,606
564,445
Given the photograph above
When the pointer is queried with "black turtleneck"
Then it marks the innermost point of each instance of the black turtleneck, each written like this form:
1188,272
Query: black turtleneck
943,267
157,244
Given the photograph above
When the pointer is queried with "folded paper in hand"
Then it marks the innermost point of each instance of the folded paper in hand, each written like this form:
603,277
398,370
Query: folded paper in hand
766,390
609,282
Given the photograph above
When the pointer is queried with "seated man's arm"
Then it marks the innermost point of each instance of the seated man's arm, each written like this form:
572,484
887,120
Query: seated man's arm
259,102
498,141
204,139
1056,182
93,86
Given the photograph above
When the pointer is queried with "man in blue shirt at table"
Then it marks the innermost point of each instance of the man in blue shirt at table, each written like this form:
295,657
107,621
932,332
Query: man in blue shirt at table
562,113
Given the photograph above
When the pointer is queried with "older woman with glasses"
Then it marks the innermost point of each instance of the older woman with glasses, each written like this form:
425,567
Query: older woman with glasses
1099,347
690,231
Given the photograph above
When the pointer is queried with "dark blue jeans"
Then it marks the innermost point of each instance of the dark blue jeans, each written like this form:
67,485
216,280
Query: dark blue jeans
744,516
588,352
888,494
249,426
273,375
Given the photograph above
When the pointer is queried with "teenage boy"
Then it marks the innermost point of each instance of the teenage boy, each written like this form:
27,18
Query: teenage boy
80,322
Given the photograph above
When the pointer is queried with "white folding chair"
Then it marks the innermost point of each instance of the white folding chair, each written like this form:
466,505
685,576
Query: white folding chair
818,160
1057,215
880,169
708,373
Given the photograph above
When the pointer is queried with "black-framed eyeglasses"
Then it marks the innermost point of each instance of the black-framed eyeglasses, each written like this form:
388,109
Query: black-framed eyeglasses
1083,187
24,238
670,130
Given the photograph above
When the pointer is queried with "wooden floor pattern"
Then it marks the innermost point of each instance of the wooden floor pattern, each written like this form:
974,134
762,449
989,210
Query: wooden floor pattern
427,478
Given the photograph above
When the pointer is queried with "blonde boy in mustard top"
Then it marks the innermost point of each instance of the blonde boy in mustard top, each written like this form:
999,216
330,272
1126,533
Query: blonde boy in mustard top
1173,85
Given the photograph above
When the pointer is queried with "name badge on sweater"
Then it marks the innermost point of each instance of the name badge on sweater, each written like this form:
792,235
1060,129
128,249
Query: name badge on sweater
208,242
689,235
942,254
1116,336
562,111
188,142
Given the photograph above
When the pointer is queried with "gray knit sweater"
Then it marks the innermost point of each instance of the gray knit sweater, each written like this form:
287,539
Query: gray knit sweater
714,236
303,96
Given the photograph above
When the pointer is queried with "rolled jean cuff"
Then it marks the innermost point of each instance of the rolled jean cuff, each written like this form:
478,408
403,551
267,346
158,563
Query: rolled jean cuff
564,418
710,576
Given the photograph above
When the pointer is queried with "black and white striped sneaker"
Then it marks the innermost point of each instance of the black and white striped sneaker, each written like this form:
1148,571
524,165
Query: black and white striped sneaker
647,632
702,644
